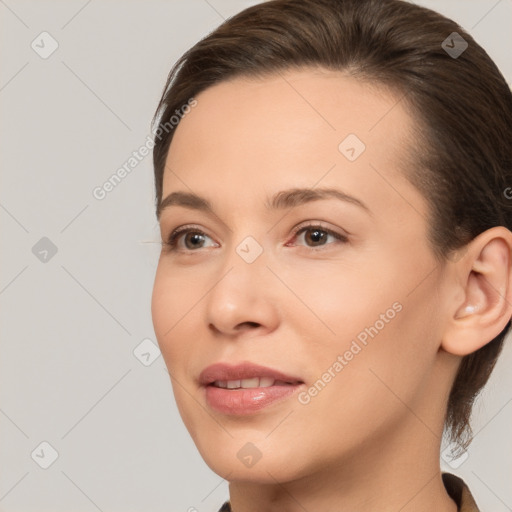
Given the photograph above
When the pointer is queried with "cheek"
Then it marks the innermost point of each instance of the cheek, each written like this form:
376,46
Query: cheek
174,311
372,383
172,307
365,337
336,302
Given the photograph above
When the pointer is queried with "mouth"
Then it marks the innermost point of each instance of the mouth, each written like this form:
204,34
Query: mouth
256,382
245,388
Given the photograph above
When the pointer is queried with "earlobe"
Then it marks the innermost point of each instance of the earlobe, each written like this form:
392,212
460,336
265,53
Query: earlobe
486,276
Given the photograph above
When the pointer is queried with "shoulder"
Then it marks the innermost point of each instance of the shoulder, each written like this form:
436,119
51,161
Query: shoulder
455,486
459,492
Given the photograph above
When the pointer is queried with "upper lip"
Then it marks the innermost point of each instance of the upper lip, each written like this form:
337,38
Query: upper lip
245,370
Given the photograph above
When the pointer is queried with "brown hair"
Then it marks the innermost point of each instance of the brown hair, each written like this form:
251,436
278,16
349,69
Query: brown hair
461,103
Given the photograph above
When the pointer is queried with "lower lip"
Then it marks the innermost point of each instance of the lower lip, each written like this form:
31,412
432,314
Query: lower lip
246,401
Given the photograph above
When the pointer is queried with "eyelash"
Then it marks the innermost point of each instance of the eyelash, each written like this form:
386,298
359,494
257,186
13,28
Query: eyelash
172,240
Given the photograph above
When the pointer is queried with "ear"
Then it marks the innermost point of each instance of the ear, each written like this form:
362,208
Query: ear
484,279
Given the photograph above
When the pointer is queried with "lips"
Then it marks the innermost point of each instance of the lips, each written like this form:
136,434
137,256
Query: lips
245,388
222,372
255,382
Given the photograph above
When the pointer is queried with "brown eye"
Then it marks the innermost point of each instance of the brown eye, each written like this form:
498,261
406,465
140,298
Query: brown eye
317,236
193,239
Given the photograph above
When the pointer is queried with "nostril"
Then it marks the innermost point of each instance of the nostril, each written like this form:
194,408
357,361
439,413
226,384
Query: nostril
248,324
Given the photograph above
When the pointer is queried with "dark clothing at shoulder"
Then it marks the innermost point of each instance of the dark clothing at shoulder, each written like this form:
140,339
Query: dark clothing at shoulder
455,486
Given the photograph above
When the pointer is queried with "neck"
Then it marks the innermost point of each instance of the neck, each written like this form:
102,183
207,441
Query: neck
400,472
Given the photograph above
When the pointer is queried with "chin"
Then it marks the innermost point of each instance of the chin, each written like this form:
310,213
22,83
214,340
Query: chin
238,459
262,472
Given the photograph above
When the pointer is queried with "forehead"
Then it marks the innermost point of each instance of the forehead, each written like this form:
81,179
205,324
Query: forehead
295,128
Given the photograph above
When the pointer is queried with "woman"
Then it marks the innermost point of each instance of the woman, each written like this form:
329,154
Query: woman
334,284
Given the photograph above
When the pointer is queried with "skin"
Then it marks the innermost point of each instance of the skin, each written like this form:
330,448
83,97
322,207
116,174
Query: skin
370,440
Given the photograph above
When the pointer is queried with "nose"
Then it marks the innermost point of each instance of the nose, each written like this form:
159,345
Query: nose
242,298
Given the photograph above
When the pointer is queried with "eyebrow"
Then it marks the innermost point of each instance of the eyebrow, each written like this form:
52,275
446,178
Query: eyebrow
281,200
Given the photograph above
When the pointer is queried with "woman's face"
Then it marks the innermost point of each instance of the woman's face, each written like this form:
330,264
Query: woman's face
349,310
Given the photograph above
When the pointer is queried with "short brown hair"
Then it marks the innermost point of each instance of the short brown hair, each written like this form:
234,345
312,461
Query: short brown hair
461,103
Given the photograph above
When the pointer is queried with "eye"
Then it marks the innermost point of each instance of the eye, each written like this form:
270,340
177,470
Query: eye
318,235
193,239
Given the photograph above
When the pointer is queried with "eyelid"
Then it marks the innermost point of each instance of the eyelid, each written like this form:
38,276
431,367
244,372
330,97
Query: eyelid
170,243
342,236
320,224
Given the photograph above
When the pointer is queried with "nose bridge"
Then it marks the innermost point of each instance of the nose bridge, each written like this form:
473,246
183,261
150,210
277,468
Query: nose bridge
245,253
241,291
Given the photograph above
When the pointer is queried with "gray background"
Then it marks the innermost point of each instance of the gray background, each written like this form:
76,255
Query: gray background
70,324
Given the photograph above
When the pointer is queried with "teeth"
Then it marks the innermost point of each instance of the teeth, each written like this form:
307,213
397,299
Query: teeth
266,382
232,384
250,383
255,382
